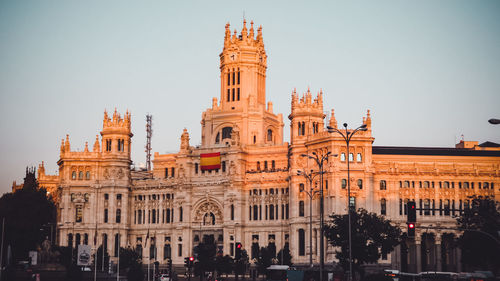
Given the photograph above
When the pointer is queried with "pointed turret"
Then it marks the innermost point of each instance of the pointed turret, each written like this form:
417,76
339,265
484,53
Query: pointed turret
67,147
333,121
244,30
86,149
97,146
252,35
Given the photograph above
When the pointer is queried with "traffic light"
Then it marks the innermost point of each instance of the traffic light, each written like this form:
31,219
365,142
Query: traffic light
191,261
412,212
186,262
411,230
237,255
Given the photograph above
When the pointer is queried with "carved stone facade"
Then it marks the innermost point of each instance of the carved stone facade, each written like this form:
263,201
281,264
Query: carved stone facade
255,197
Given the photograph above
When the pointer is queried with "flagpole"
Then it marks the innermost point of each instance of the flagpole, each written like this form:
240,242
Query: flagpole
95,235
118,265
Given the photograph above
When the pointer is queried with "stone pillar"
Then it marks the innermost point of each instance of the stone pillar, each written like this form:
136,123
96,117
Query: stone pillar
160,241
458,252
396,258
418,253
437,246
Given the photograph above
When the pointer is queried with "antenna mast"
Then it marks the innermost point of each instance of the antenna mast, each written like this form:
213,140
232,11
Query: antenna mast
149,133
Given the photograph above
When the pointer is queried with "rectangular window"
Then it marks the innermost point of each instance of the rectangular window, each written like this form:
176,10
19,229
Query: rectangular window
196,168
228,95
233,94
180,214
118,197
118,215
228,79
173,172
106,215
166,172
234,75
238,78
238,94
302,242
79,213
179,250
223,166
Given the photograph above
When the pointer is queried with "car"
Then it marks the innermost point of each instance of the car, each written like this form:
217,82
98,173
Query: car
164,277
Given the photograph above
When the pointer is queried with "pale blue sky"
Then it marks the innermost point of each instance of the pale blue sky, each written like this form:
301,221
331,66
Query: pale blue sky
428,70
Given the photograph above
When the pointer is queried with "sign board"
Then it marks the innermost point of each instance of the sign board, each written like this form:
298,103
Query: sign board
83,258
33,257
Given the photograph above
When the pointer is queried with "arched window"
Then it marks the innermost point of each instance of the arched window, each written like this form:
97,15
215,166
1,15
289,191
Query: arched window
80,175
426,184
258,165
226,132
360,184
351,157
358,157
299,131
344,183
273,165
87,175
70,240
209,219
427,207
303,128
301,208
383,185
255,212
77,239
217,138
271,212
269,135
73,175
383,206
342,156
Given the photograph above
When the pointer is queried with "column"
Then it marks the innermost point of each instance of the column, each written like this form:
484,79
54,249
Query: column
418,254
395,258
438,251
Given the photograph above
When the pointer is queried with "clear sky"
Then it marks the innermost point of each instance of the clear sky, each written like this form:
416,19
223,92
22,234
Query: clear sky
429,71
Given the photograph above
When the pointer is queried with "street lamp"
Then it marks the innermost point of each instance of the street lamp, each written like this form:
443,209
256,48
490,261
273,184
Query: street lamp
347,138
494,121
320,160
310,177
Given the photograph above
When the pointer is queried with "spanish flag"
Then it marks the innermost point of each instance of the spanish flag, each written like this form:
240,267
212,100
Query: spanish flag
210,161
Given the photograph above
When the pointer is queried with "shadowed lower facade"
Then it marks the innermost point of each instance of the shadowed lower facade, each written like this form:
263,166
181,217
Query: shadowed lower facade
241,183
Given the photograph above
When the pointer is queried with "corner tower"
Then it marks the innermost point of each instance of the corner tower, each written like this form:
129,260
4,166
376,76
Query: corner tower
242,116
116,136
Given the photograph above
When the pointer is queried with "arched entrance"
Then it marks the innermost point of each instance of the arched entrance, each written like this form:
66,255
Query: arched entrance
208,223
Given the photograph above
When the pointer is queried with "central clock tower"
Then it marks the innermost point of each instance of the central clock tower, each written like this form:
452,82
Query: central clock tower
241,116
243,68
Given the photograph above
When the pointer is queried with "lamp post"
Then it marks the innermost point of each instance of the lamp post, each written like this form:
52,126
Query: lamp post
347,138
320,160
310,177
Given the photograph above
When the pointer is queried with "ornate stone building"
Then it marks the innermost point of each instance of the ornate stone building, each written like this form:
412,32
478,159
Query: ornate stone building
253,195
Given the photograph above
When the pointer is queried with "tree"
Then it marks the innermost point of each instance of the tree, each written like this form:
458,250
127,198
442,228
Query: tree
224,264
480,241
264,261
372,237
206,251
284,256
26,211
